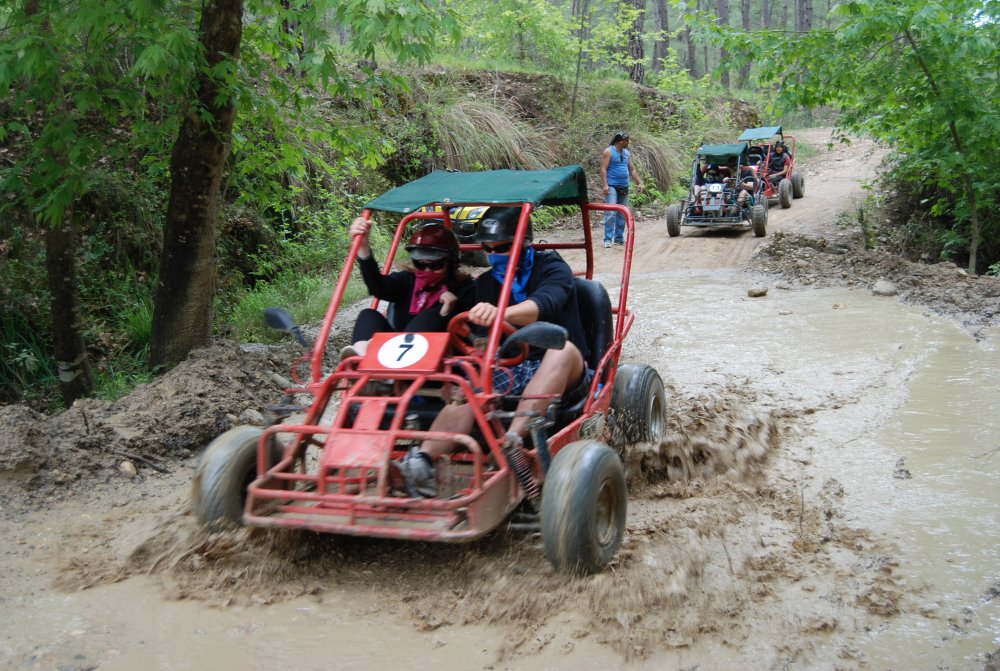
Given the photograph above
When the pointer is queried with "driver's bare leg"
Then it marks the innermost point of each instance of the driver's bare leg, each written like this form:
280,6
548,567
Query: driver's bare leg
560,368
453,419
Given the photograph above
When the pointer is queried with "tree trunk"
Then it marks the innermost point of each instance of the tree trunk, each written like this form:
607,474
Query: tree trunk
182,315
745,68
583,7
706,65
68,347
636,50
803,15
766,17
75,377
722,10
691,50
661,45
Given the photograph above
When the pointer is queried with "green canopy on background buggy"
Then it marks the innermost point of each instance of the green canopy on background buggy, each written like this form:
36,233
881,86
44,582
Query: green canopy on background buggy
721,153
763,133
558,186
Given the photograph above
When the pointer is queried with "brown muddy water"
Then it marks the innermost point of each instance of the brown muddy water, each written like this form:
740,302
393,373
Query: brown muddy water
898,408
869,539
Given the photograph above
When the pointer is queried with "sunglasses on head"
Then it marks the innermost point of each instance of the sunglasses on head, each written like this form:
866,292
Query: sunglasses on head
501,248
436,264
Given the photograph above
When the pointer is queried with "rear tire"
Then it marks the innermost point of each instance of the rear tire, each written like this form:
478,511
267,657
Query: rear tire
785,193
225,470
584,504
798,185
674,220
758,218
638,403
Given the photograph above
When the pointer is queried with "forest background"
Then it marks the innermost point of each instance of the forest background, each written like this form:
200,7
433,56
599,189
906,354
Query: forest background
170,167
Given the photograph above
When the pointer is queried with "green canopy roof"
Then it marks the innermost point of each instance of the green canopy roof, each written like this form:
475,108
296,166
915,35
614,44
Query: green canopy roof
720,153
763,133
557,186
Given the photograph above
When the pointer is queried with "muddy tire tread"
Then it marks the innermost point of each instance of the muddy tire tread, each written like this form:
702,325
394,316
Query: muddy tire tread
219,491
584,506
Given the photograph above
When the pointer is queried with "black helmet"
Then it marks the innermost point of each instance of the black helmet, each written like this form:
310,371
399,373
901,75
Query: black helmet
499,224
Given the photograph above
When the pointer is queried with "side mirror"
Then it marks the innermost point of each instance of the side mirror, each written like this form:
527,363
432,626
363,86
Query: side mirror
538,334
281,319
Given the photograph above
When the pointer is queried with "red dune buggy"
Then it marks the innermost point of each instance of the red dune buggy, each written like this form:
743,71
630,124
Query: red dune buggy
762,142
332,471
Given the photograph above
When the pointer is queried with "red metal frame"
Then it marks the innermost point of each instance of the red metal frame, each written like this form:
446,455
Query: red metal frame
345,488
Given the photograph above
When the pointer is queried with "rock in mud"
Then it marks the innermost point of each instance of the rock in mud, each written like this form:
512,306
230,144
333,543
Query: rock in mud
757,292
252,417
884,288
128,469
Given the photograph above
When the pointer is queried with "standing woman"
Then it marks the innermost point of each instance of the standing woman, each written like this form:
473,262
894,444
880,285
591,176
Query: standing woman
616,169
422,297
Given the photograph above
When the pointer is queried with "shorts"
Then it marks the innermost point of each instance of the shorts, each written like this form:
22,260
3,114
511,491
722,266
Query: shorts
512,381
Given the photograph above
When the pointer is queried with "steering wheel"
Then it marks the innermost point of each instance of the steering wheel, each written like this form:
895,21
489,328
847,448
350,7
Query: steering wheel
459,332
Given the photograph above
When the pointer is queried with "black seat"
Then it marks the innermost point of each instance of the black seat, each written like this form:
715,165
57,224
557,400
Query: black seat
594,305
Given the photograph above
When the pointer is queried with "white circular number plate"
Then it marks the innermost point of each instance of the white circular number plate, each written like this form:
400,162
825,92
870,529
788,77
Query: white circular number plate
403,350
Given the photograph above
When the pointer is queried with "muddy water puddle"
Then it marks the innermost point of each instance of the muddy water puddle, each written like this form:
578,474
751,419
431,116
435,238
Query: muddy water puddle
897,413
826,557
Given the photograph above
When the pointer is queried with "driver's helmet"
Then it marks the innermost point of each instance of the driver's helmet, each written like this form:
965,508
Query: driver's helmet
779,145
499,224
432,242
712,172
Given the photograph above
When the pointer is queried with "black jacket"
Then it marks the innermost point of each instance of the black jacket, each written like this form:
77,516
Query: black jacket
397,288
552,289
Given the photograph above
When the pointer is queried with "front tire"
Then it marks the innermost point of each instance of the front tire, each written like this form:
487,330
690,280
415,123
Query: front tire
584,504
225,470
674,220
638,403
785,193
758,218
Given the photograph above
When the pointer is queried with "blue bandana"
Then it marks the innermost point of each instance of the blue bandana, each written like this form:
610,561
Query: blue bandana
519,288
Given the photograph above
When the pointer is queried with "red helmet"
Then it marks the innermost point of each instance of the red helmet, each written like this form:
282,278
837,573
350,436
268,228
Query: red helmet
431,242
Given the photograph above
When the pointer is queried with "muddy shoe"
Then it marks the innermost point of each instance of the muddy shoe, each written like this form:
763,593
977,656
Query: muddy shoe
348,352
418,475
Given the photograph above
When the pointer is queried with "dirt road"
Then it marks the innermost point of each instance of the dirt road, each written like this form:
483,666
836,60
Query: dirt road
828,497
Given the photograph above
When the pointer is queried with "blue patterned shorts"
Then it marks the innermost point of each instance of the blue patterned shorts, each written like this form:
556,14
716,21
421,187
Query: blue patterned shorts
512,381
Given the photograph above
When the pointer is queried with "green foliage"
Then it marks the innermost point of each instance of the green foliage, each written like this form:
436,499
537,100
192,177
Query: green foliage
27,370
94,93
117,377
522,33
919,75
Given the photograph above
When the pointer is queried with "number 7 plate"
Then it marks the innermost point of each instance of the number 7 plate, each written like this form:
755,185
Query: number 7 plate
410,352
